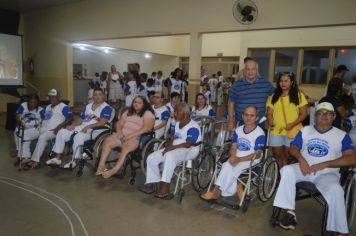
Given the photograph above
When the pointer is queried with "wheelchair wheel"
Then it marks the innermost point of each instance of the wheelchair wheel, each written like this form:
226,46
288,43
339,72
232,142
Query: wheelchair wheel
113,157
204,171
151,146
350,201
268,179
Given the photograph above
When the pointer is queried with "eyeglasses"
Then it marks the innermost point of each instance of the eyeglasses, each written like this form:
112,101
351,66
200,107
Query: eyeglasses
329,113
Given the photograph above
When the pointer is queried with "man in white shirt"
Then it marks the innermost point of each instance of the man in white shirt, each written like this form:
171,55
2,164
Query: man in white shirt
320,150
95,114
161,114
56,116
178,149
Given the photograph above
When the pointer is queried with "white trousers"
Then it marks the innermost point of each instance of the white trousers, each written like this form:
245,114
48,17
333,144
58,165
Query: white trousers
171,160
227,179
64,135
41,144
29,135
327,182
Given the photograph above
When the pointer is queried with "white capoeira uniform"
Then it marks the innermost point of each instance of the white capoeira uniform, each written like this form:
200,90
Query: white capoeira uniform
316,148
90,115
158,84
52,117
206,111
31,120
161,114
212,85
351,118
204,79
175,85
116,91
189,132
131,92
207,96
247,143
171,121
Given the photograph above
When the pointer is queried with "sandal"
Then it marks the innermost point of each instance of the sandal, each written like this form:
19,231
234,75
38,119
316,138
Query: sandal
208,197
100,172
109,173
30,165
164,196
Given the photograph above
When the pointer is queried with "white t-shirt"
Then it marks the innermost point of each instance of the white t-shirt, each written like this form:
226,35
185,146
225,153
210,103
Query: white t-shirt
32,117
158,84
54,116
204,79
176,85
317,147
221,78
248,143
161,114
207,96
190,132
91,115
206,111
213,82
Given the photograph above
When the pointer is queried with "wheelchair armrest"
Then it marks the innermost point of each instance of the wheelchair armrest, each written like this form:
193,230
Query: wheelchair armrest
150,133
103,127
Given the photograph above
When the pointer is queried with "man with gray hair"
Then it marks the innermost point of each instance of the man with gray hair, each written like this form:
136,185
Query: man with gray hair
180,147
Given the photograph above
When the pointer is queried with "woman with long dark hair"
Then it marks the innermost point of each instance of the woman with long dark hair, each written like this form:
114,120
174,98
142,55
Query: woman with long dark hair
286,110
138,119
201,107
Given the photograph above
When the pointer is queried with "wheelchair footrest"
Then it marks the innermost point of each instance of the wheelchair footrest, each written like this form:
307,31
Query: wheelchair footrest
228,204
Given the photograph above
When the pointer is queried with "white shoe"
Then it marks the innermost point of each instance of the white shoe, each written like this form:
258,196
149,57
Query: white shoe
70,165
54,161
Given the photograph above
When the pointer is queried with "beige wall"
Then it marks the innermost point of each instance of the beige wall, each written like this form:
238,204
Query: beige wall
49,31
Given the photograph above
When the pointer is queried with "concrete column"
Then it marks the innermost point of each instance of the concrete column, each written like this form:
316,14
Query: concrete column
194,65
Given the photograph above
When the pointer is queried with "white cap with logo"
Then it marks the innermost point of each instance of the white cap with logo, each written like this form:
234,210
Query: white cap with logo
325,106
53,92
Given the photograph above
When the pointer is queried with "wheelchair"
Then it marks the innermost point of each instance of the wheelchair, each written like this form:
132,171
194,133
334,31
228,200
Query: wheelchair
259,180
309,190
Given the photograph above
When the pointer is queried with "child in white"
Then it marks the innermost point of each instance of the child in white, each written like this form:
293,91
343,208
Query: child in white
159,81
30,119
175,85
220,93
213,82
131,92
93,114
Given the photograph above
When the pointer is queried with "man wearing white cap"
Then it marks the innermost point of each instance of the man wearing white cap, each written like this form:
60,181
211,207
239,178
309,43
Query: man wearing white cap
95,114
320,150
56,116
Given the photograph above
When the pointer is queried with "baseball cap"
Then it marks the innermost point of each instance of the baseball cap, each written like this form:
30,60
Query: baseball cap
342,68
53,92
325,106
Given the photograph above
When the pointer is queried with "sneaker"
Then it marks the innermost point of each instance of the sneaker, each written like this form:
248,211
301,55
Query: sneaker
289,221
70,165
54,161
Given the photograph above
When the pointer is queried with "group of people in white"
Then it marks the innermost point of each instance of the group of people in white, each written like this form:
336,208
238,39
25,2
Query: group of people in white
319,150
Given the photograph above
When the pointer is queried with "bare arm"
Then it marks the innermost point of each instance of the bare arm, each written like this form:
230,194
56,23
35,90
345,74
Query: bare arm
231,112
304,166
270,117
160,125
303,113
348,158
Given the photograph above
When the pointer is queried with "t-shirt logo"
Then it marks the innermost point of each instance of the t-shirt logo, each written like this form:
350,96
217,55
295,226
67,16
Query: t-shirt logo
177,136
243,144
48,115
177,87
317,148
158,82
30,116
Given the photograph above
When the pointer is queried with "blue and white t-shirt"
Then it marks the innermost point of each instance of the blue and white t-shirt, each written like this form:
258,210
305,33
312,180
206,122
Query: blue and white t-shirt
176,85
248,143
206,111
171,121
189,132
204,79
317,147
91,115
32,117
207,96
158,84
161,114
54,116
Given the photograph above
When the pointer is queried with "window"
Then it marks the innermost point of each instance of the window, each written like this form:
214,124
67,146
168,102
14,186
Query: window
346,56
315,66
286,61
262,56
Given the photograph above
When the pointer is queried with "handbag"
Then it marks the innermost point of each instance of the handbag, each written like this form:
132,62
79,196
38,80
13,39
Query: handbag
294,131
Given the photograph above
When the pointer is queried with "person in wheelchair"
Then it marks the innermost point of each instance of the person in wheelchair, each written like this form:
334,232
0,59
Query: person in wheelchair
320,150
201,107
248,141
180,147
95,114
56,116
134,122
161,114
29,115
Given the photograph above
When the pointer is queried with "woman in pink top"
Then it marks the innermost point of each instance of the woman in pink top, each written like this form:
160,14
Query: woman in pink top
137,120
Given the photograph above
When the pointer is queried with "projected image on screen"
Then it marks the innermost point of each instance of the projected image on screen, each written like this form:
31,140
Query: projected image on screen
10,60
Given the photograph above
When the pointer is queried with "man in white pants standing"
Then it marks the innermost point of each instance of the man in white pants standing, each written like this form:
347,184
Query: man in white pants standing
95,114
320,151
56,116
178,149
